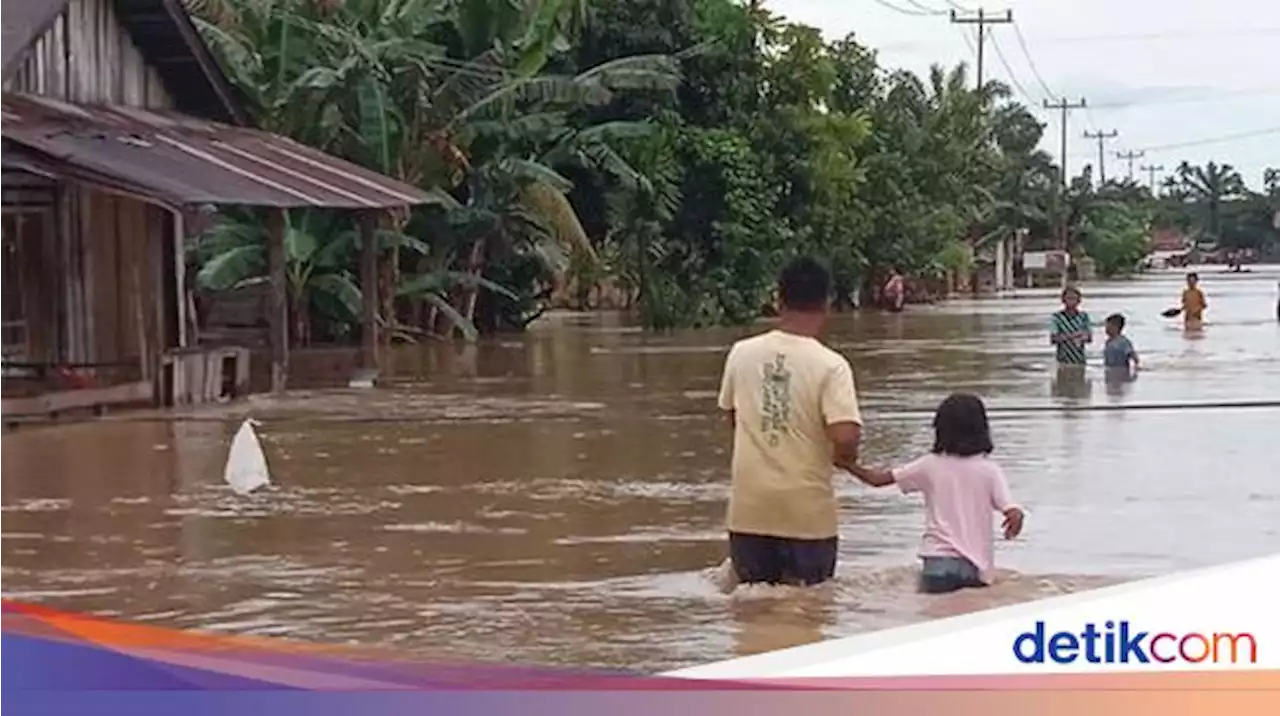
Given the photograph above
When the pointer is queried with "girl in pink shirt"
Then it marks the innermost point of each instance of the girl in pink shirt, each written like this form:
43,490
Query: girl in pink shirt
962,486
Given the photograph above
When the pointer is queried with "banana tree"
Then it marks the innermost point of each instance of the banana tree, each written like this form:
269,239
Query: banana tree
232,255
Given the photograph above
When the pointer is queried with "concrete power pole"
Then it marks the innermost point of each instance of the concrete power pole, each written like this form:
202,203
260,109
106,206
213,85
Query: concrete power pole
1102,137
1130,156
982,20
1151,174
1065,107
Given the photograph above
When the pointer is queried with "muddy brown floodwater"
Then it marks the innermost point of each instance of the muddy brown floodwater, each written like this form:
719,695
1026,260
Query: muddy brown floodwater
557,497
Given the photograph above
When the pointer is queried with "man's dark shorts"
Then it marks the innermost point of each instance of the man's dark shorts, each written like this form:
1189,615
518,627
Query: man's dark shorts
782,560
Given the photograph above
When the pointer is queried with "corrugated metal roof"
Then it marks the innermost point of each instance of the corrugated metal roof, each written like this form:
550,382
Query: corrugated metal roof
180,160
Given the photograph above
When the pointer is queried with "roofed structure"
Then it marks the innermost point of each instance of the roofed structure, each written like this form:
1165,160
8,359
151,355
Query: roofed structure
117,122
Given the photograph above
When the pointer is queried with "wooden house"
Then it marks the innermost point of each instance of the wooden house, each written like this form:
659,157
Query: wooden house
118,126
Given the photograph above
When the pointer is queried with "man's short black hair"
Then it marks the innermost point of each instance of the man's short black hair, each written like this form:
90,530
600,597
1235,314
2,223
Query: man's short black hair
1116,319
804,285
1193,275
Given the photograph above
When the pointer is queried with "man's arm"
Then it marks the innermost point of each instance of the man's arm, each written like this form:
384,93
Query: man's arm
845,439
872,476
840,412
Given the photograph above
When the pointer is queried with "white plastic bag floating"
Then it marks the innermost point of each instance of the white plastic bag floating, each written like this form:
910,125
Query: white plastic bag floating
725,577
246,468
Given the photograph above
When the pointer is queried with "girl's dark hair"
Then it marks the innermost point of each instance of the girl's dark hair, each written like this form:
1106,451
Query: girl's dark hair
960,427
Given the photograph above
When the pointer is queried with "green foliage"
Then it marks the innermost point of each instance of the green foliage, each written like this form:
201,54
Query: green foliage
682,149
1115,237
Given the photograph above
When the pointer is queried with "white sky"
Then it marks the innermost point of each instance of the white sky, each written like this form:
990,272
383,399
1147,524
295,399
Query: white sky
1160,72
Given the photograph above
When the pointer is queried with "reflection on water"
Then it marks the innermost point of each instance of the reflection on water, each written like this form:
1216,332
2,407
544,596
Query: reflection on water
558,497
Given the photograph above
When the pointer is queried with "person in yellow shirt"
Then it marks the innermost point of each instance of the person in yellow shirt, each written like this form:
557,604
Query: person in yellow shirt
1193,303
795,416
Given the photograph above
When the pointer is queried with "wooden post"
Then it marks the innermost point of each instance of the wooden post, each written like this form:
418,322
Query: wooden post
278,310
369,291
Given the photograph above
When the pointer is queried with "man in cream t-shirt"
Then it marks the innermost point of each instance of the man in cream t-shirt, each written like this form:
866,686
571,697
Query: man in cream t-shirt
795,415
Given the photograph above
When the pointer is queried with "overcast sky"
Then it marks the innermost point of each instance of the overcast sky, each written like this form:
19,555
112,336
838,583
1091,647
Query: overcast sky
1161,72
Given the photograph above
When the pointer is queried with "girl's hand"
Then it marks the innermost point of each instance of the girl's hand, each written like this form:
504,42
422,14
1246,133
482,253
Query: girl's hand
1013,518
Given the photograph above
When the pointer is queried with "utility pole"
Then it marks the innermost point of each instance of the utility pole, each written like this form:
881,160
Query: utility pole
1102,137
982,20
1151,174
1065,107
1130,156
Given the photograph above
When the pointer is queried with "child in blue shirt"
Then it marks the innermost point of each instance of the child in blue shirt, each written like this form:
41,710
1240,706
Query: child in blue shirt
1118,351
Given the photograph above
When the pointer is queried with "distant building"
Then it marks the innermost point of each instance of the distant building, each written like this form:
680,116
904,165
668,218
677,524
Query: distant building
1169,240
118,127
1169,248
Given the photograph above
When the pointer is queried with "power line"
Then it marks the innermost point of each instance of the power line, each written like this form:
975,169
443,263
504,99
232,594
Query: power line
905,11
1213,140
1026,52
925,9
968,43
1217,96
1161,35
1013,79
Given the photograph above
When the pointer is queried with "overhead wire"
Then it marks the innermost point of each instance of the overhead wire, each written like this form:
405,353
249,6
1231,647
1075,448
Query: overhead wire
902,10
1203,141
925,9
916,8
1026,52
1212,140
1013,78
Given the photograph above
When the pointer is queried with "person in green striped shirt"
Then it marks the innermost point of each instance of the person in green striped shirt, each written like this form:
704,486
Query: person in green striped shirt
1070,330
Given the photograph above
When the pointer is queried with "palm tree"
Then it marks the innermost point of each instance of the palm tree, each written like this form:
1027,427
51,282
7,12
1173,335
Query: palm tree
1209,186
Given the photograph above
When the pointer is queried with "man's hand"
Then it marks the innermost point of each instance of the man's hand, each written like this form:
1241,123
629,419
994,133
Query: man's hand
871,476
845,438
1013,518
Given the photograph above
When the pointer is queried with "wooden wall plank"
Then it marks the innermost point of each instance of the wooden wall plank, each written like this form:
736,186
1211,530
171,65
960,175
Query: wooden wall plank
102,241
88,56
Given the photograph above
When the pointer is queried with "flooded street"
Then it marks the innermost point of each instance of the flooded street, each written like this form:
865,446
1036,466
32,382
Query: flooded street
558,497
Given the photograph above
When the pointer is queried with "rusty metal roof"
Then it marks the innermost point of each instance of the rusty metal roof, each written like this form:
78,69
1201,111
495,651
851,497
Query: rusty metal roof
179,160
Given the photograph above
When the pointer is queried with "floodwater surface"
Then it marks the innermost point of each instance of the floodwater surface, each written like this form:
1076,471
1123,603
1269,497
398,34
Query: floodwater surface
558,497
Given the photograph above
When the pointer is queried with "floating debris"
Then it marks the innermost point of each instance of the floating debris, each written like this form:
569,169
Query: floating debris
246,468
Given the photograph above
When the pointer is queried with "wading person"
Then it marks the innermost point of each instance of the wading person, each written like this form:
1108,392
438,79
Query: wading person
1193,304
1118,353
895,291
962,487
795,415
1070,331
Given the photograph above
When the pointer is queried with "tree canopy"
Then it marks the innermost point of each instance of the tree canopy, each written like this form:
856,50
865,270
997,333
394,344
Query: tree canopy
678,150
